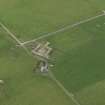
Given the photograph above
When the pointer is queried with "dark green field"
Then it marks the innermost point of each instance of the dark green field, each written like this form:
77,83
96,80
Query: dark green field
80,61
22,86
78,56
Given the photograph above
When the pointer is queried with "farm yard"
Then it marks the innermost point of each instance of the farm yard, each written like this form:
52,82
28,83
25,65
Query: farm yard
75,30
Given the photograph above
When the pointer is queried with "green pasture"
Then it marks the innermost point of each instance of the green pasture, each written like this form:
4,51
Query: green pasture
78,55
22,86
30,19
79,60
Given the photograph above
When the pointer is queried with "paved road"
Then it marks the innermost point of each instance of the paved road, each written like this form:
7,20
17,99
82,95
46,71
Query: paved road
14,37
64,29
70,95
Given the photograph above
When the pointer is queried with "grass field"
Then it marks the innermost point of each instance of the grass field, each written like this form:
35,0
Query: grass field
22,86
78,58
80,65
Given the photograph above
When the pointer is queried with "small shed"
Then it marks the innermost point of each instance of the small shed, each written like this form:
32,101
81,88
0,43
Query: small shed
1,82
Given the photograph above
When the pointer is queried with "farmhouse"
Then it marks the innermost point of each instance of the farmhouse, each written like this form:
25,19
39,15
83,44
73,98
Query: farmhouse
42,49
